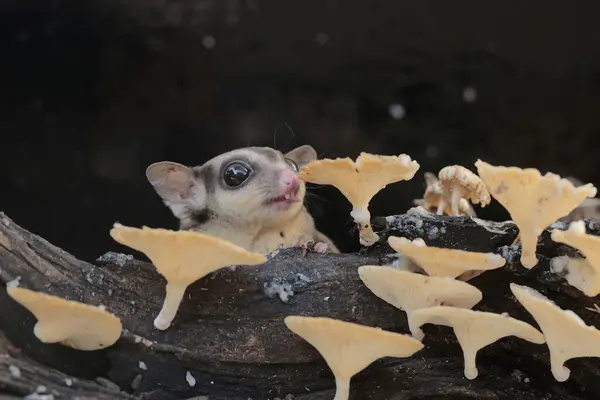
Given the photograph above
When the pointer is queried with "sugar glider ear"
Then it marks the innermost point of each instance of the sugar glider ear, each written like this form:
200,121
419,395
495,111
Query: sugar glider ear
172,181
302,155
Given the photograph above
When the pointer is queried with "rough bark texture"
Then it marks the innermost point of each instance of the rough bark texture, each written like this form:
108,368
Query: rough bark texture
20,376
229,332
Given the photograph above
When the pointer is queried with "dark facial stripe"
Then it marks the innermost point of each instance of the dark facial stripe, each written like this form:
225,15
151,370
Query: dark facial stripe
201,217
206,175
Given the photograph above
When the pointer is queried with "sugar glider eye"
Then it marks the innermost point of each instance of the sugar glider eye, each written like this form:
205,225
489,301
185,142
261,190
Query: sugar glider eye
292,164
236,173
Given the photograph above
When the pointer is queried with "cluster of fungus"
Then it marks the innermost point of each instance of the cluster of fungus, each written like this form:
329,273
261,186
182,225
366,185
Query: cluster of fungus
458,184
436,296
433,199
181,257
436,292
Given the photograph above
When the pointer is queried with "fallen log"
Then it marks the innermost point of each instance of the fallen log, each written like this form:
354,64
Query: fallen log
228,340
21,377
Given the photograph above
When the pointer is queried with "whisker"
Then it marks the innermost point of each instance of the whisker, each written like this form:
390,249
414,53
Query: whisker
291,130
276,130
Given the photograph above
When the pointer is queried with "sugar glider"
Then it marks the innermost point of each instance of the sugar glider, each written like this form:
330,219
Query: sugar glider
251,197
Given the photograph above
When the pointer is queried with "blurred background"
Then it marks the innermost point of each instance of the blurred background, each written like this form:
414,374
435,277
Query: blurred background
93,92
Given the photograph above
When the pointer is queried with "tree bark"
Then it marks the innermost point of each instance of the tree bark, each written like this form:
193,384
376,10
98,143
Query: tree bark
228,340
20,376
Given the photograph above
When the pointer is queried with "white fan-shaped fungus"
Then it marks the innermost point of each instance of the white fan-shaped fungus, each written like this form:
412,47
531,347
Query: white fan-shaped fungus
433,196
436,261
533,201
409,291
584,274
359,181
476,329
567,335
348,348
182,257
588,209
70,323
457,183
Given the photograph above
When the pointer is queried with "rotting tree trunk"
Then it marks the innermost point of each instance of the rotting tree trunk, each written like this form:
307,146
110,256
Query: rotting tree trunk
230,336
19,376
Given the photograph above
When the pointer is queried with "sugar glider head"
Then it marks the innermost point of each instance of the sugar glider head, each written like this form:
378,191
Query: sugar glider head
252,185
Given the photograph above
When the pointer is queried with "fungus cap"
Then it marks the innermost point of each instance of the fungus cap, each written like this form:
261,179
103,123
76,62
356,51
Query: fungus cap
458,182
410,291
360,180
583,274
567,335
182,257
348,348
70,323
476,330
443,262
533,201
588,209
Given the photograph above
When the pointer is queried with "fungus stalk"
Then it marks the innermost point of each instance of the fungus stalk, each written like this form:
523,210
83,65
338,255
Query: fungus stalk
529,240
433,199
362,217
173,297
457,194
342,389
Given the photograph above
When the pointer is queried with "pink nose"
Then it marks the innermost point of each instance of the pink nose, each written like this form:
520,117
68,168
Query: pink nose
289,181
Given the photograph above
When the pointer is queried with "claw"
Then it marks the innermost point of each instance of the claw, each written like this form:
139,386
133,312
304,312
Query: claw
318,247
306,247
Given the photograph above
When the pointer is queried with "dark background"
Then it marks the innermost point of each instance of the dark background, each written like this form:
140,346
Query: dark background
92,92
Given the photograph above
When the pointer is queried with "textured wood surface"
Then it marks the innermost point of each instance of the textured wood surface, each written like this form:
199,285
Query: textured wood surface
229,332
